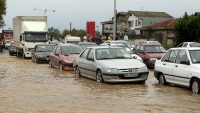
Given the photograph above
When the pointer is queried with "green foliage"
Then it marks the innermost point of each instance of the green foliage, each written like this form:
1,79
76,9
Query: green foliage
54,33
74,32
2,11
187,29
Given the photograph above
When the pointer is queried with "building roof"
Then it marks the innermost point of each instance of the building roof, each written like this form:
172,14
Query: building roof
150,14
167,23
107,22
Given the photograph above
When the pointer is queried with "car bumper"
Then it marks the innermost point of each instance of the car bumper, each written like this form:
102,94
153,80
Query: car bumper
43,59
68,66
120,77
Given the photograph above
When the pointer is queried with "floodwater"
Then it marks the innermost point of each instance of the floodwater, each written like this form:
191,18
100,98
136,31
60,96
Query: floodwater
26,87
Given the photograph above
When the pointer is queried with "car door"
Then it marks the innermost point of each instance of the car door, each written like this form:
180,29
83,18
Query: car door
180,70
54,57
167,64
82,62
90,65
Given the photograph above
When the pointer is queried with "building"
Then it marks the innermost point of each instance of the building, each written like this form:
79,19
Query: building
162,31
138,19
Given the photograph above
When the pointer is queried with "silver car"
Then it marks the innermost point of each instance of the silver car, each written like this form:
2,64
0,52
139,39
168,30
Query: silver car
109,64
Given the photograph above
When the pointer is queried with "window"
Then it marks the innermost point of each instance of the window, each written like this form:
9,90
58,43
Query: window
91,54
136,22
170,56
185,45
181,56
85,53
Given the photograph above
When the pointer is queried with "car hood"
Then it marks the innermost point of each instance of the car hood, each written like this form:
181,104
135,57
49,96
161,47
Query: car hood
69,57
122,63
155,55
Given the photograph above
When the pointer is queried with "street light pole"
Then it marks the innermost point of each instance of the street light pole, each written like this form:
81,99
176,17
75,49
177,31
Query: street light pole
45,11
114,26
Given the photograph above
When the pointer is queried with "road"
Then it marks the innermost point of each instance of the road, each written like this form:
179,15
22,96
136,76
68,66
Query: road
26,87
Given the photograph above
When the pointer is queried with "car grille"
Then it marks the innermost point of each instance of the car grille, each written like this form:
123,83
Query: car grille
129,70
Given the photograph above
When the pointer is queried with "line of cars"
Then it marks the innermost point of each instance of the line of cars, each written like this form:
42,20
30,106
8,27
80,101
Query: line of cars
113,62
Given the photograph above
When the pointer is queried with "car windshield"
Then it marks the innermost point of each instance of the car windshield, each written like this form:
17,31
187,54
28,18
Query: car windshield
155,49
65,50
83,46
195,56
112,53
195,45
45,48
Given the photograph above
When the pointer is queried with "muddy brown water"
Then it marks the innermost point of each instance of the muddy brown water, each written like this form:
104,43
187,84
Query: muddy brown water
26,87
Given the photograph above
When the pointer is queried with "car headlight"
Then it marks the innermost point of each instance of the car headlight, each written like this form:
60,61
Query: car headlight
144,68
153,59
68,61
112,70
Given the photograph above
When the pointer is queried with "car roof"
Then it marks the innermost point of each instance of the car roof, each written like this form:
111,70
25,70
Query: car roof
96,47
87,43
188,48
67,44
151,44
46,44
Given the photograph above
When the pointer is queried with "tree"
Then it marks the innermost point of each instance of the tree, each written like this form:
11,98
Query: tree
187,29
54,33
2,11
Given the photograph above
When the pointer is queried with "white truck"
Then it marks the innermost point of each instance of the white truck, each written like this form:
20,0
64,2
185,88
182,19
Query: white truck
72,39
27,32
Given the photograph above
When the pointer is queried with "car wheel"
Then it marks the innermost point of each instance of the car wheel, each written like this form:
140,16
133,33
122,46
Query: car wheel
77,72
195,86
99,77
60,66
50,63
162,79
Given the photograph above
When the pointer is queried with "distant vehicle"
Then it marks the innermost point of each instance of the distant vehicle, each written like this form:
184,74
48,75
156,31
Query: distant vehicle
29,31
131,45
41,52
72,39
83,45
62,56
109,64
180,66
12,49
189,44
150,42
7,43
150,53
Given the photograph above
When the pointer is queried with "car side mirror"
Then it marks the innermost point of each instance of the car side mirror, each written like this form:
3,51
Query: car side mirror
185,62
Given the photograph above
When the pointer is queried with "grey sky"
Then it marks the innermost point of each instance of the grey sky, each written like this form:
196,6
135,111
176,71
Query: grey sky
80,11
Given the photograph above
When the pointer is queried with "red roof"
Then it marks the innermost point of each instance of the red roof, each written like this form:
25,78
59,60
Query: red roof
167,23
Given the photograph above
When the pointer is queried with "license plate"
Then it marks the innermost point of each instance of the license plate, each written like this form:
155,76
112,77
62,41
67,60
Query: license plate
131,75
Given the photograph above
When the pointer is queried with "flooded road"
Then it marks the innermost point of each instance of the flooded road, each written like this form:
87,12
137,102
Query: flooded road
26,87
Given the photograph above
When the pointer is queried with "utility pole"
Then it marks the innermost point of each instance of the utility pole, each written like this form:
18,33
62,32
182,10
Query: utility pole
114,26
70,28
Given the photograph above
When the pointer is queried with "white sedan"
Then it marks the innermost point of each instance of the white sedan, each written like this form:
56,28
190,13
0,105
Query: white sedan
180,66
109,64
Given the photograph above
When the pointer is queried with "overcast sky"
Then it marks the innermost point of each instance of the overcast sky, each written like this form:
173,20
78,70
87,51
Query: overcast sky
78,12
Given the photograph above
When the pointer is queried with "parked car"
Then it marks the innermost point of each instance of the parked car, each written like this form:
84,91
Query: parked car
83,45
62,56
7,43
115,42
150,53
109,64
189,44
41,52
180,66
12,49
